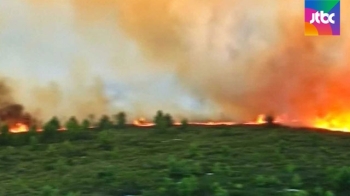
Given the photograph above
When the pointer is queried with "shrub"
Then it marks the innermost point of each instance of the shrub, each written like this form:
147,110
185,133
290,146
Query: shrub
193,151
5,136
261,180
32,131
299,193
49,191
55,123
33,140
187,186
219,191
121,119
184,124
167,188
73,194
341,179
197,168
160,122
61,166
168,120
51,150
105,122
238,186
329,193
75,130
225,150
228,171
85,124
67,149
105,177
7,154
296,181
178,168
49,132
73,124
290,168
318,191
105,140
217,169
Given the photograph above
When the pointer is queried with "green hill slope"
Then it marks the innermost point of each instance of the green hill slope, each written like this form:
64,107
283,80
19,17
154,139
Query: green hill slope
200,161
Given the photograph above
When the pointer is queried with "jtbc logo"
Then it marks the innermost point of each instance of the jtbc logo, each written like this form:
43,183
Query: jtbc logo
324,17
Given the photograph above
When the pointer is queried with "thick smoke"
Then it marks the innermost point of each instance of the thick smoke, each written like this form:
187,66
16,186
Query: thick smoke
247,57
11,112
250,57
43,61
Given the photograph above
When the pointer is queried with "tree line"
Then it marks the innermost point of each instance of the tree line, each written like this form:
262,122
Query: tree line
73,129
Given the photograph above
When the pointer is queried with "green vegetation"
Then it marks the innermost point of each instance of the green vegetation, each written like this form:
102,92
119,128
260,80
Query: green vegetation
163,121
184,124
73,124
105,123
184,160
121,119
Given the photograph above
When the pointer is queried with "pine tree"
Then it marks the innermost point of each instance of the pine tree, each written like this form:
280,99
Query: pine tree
73,124
121,119
105,122
85,124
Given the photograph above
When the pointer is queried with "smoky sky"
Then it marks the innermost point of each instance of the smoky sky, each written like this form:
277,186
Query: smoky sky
54,62
211,59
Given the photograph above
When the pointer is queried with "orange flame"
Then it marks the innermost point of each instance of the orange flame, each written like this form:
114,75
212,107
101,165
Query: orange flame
338,122
141,122
259,120
333,122
211,123
19,128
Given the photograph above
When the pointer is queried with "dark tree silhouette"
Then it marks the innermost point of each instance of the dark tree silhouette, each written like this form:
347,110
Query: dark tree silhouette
54,123
168,120
85,124
121,119
184,124
105,122
50,129
159,121
73,124
5,137
270,120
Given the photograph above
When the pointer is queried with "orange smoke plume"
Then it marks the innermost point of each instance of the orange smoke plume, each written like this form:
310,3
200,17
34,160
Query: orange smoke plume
248,57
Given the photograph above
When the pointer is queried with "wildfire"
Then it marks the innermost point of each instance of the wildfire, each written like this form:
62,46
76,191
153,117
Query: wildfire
259,120
141,122
19,128
213,123
334,122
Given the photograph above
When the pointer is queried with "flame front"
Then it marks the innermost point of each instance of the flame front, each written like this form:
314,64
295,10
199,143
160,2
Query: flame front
333,122
338,122
259,120
141,122
19,128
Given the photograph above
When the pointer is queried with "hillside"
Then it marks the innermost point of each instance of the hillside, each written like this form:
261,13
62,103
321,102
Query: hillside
220,161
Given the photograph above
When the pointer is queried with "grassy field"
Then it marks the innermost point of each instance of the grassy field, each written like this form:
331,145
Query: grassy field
200,161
